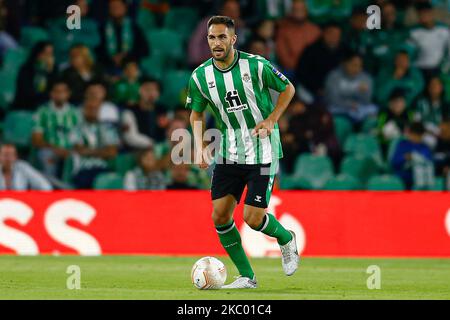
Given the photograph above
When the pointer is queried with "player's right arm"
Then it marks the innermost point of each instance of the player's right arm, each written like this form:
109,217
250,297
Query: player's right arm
197,103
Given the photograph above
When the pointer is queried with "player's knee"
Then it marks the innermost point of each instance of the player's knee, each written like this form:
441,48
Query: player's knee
220,217
253,219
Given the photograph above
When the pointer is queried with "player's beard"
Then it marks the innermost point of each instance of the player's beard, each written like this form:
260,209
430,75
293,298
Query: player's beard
225,56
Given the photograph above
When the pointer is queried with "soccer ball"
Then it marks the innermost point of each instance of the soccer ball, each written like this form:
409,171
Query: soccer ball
208,273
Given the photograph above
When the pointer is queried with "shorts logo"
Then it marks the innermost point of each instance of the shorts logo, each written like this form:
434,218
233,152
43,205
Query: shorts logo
188,100
258,198
234,102
279,74
246,77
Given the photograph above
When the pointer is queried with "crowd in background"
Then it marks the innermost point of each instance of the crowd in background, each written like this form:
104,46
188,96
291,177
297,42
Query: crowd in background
99,97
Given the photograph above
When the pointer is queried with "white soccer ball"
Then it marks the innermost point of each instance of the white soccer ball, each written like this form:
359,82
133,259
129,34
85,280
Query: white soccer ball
208,273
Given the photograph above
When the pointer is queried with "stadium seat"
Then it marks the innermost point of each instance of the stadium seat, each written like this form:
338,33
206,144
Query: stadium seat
183,20
145,20
369,126
385,182
154,66
174,87
342,182
364,145
108,181
312,172
166,42
343,128
124,162
439,184
17,128
13,59
29,36
360,167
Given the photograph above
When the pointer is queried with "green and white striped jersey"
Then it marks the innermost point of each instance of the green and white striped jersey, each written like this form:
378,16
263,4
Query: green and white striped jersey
239,98
56,124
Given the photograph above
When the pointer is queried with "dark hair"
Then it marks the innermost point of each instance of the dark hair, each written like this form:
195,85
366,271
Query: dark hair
146,79
36,51
350,54
416,127
222,20
331,24
422,6
397,93
58,81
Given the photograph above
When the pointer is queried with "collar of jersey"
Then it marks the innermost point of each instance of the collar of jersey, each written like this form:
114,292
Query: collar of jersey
236,59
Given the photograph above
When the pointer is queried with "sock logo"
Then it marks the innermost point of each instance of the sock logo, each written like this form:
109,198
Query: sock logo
258,198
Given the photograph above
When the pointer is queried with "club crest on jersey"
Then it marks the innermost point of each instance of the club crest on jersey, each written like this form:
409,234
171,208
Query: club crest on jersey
234,102
246,77
278,74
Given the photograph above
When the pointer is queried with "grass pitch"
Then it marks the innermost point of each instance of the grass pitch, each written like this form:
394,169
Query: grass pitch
141,277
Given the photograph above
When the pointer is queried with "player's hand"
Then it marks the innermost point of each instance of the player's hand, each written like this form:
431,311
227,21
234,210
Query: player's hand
264,128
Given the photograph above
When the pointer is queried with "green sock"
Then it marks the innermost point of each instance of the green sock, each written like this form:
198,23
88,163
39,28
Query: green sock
231,240
271,227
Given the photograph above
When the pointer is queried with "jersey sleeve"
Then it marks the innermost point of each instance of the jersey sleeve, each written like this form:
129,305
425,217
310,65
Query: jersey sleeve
272,78
195,100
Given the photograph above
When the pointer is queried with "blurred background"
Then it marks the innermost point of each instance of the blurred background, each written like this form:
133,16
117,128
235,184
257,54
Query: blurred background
94,108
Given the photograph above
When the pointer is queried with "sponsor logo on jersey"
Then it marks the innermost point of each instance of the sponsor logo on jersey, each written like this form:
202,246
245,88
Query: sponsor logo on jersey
234,102
211,84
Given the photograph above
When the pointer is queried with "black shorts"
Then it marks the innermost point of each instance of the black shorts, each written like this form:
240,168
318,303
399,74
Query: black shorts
232,179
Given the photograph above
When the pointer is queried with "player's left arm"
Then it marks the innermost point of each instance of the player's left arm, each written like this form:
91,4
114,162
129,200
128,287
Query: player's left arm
277,81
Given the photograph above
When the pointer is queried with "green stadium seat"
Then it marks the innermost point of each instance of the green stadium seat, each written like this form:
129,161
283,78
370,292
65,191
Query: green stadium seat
13,59
108,181
342,182
124,162
343,128
18,126
385,182
312,172
183,20
364,145
29,36
145,20
154,66
174,87
166,42
369,126
439,184
360,167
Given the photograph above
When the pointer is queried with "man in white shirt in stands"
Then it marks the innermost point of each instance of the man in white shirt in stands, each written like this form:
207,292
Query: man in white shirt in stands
17,174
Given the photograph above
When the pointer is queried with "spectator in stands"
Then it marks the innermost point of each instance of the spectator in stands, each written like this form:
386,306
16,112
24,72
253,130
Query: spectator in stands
265,31
81,71
53,123
147,175
412,160
442,151
109,113
357,35
385,42
348,90
311,129
431,108
258,46
294,34
35,77
94,144
320,58
393,120
143,122
402,76
120,38
17,174
7,41
198,49
432,40
126,90
180,177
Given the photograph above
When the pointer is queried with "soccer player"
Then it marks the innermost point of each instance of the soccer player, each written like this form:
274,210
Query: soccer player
236,86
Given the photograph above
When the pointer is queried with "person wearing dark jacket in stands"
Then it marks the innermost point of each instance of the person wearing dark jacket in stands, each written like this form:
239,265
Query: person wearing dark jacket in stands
120,38
35,77
320,58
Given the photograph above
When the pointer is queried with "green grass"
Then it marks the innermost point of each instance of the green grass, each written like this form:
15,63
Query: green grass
140,277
